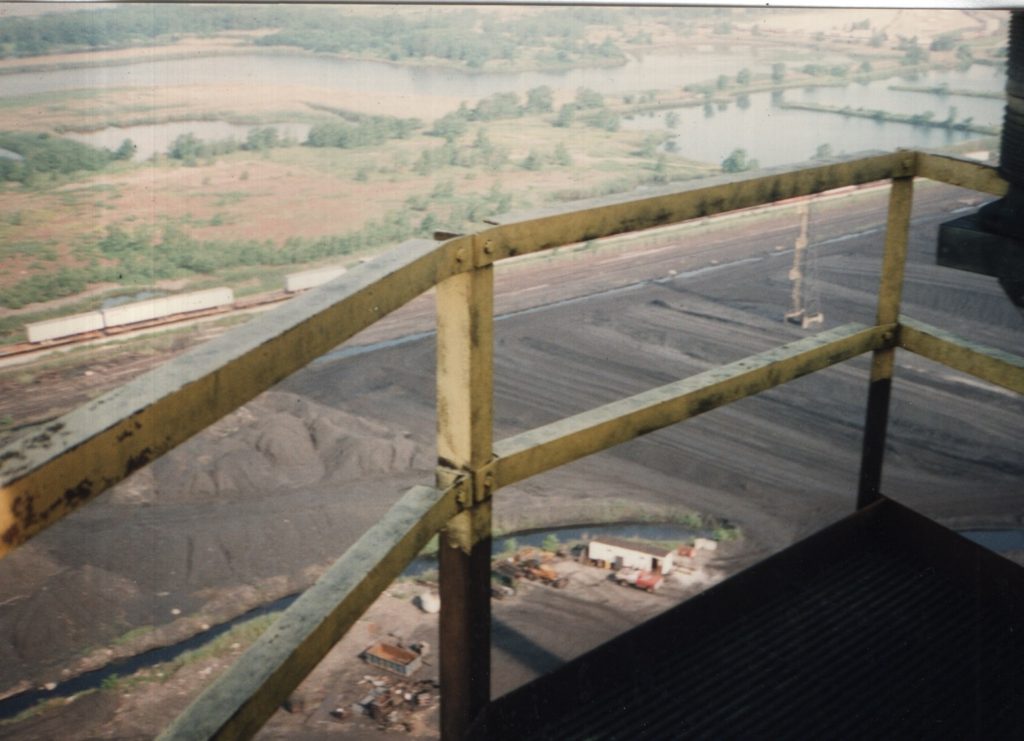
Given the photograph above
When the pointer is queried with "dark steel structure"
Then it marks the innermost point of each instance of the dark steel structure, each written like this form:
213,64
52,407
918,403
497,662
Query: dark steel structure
884,625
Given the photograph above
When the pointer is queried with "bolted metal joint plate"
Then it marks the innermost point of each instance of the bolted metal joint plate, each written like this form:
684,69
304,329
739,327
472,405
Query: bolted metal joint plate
484,251
471,487
905,165
891,337
484,482
473,491
458,480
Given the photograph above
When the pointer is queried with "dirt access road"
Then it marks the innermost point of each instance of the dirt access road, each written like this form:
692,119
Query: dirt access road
268,496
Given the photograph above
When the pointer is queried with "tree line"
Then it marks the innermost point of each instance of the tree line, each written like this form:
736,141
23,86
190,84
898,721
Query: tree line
464,37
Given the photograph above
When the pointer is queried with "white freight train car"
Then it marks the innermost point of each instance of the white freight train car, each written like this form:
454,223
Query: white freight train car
157,308
311,278
66,326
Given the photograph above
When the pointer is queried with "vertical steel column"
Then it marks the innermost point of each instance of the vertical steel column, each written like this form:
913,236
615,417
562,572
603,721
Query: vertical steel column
464,386
889,293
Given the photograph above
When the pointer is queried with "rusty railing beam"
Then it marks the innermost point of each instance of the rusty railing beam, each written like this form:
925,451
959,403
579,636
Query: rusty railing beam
890,293
586,220
965,173
47,475
465,321
985,363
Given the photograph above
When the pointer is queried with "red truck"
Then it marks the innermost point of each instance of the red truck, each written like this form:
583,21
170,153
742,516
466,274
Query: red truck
649,581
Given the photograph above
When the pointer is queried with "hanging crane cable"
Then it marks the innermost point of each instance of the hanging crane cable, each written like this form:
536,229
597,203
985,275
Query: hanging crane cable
805,304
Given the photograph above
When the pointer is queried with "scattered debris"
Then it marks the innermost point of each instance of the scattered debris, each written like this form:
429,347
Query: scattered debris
392,701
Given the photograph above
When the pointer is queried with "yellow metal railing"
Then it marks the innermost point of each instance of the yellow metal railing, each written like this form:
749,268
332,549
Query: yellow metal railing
48,474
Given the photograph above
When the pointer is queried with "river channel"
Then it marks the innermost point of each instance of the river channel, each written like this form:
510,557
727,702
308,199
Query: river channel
646,72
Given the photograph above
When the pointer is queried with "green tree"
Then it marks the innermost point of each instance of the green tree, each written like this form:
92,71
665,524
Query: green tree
661,169
607,120
723,82
650,146
540,100
945,41
587,98
450,126
533,161
566,115
482,141
550,543
743,77
672,119
126,151
562,156
778,72
261,139
738,161
187,147
823,152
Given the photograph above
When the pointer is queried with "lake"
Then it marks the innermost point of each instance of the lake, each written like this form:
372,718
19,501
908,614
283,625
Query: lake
771,135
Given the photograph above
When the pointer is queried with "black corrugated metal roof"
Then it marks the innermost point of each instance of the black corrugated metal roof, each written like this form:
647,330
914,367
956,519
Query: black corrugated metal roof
885,625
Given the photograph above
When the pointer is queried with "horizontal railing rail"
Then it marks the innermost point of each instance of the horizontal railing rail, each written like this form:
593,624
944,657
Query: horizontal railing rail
566,440
53,471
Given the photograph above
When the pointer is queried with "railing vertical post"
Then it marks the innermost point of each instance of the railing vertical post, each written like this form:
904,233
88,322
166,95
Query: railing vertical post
889,293
464,418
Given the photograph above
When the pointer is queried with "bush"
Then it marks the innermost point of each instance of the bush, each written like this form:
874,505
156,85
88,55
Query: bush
45,154
737,161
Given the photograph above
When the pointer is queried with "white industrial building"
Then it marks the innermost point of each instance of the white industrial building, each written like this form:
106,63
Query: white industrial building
617,553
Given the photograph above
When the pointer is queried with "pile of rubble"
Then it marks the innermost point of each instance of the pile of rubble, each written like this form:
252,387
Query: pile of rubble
391,701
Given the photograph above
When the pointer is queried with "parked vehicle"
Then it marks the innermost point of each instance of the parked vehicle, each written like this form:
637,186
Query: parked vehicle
508,572
649,581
